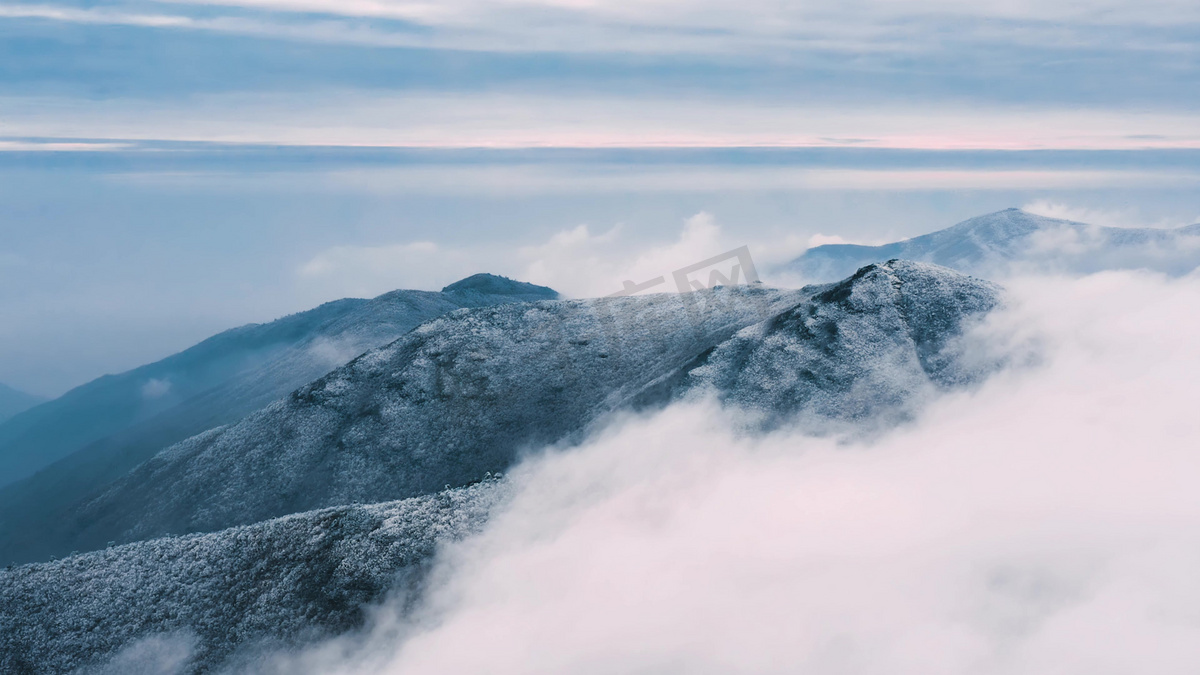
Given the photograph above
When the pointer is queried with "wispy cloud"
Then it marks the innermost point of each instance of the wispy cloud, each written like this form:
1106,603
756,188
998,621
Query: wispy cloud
663,26
60,146
578,261
1107,217
310,29
764,15
530,181
525,120
575,261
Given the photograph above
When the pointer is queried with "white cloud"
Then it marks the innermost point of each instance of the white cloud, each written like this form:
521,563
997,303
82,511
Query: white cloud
334,353
1072,250
574,262
532,120
825,239
367,271
662,11
156,388
155,655
530,180
313,30
369,256
714,26
1129,217
50,146
593,266
1047,522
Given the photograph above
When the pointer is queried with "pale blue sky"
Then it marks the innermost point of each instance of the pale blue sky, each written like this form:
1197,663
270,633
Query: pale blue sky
171,169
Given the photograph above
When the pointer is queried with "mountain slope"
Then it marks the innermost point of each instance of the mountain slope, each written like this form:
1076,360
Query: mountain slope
871,348
457,398
467,393
243,369
272,584
1012,240
13,401
231,374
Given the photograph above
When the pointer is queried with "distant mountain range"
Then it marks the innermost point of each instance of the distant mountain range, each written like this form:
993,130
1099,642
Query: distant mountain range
13,401
231,374
97,432
1014,241
289,555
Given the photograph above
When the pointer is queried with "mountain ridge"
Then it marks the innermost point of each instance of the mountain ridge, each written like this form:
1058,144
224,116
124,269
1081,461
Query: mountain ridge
269,360
469,392
534,375
1001,243
14,401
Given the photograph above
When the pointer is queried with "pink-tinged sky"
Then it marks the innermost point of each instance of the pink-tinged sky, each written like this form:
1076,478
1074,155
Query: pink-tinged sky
484,120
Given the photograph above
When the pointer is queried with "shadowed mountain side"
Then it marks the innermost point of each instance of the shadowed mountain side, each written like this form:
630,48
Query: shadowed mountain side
1013,240
465,394
245,368
200,598
226,376
13,401
458,397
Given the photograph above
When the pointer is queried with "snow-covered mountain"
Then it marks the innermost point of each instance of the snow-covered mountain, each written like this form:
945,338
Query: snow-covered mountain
207,597
457,397
231,374
103,429
426,420
13,401
872,348
1001,243
465,394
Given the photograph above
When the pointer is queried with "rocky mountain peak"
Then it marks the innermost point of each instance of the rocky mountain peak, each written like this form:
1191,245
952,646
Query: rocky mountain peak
493,284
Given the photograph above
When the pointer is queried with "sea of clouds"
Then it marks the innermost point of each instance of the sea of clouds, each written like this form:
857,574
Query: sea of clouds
1047,521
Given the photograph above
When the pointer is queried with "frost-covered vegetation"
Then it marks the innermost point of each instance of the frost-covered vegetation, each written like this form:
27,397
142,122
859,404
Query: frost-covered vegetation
458,397
111,425
871,347
446,405
233,592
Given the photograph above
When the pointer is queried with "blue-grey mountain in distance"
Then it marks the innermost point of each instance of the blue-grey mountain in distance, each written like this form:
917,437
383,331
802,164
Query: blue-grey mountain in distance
13,401
231,374
1015,241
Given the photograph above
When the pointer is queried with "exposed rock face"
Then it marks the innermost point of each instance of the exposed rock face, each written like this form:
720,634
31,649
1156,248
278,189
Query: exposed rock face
871,347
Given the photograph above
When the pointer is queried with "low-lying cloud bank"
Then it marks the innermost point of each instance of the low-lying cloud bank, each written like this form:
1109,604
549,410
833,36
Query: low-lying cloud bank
1047,522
